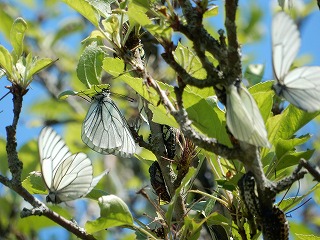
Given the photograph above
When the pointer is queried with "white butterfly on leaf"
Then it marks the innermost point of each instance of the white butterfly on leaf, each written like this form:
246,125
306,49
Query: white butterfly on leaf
105,130
244,119
67,176
301,86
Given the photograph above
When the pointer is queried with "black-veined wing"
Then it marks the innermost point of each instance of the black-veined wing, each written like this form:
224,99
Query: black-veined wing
66,176
105,130
300,86
243,117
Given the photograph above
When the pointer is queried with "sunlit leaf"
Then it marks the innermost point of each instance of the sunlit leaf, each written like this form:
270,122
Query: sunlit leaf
6,62
307,237
37,65
102,6
113,212
90,65
137,12
3,155
17,33
211,12
285,125
34,184
254,73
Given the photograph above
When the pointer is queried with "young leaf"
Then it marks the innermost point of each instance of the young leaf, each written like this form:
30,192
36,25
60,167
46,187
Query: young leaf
113,212
288,123
137,12
102,6
65,94
34,183
90,65
254,73
17,33
37,65
211,12
3,155
189,61
283,146
6,62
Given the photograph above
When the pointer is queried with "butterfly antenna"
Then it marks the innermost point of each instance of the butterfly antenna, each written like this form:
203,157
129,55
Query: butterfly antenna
5,95
299,206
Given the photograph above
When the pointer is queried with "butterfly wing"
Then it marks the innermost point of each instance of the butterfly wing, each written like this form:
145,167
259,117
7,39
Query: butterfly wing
285,44
73,178
244,119
303,88
67,176
52,150
105,130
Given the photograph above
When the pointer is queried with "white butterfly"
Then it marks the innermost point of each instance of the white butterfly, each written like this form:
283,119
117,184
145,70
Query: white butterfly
244,120
105,130
301,86
67,176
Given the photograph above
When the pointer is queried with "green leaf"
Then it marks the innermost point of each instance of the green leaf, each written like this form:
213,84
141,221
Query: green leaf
160,115
6,62
191,229
3,155
293,158
163,31
217,218
191,174
85,9
113,29
37,65
102,6
64,95
307,237
113,212
90,65
285,125
93,90
283,146
95,194
211,12
115,67
7,19
17,33
189,61
254,73
95,36
208,119
35,184
263,95
137,13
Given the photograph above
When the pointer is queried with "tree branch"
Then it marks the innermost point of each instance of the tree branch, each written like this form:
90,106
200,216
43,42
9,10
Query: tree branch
15,167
